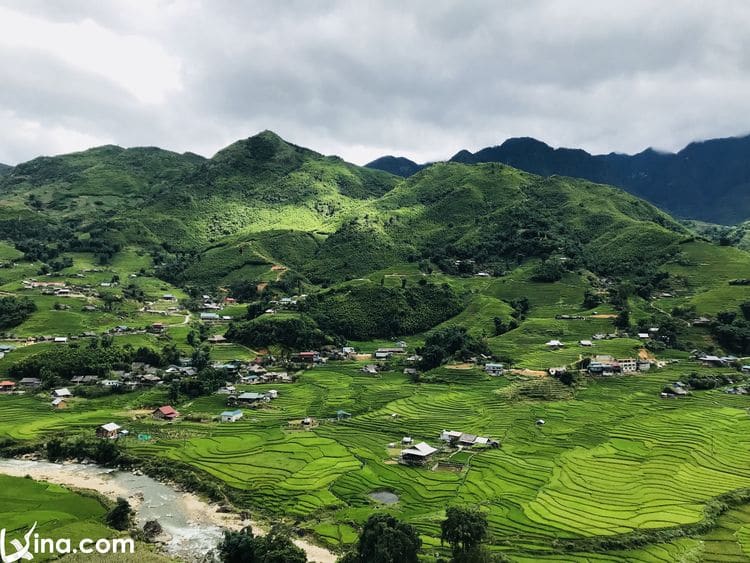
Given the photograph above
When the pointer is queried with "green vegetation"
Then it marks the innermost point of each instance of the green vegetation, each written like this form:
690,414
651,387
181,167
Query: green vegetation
367,311
13,311
385,540
274,547
59,513
293,332
279,249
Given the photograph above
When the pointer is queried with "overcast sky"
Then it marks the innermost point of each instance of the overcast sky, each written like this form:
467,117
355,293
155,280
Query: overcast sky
361,79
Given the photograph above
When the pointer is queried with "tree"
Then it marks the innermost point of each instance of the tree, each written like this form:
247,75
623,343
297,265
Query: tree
173,395
170,354
464,529
500,326
591,299
623,320
111,301
201,357
385,540
238,547
121,515
14,310
275,547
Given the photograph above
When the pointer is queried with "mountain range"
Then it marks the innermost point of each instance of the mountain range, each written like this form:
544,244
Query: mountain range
264,201
707,180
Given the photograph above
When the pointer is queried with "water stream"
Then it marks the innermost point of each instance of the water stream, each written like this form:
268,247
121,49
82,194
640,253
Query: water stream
191,532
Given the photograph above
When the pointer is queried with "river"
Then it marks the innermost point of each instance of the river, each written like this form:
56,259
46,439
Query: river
193,526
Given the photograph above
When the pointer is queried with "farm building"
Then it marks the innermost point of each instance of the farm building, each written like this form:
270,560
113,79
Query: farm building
165,413
419,454
410,371
85,380
342,414
216,339
604,368
231,416
59,404
714,361
7,386
30,382
585,343
210,317
628,365
554,344
494,369
249,399
109,430
311,357
370,369
61,393
386,353
60,339
450,436
465,440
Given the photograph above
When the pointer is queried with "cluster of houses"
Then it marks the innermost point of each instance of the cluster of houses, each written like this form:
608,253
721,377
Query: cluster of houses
113,431
711,361
287,303
421,453
603,364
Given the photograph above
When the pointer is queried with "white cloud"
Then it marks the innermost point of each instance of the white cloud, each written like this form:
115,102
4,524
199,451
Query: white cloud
137,64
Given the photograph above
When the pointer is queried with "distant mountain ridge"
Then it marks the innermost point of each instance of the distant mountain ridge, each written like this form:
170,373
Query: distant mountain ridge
707,180
262,201
397,165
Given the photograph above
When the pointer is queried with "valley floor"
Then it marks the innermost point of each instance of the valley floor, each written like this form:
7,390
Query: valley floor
612,460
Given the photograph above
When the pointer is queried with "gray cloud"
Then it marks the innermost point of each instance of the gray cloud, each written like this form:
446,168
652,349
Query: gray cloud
361,79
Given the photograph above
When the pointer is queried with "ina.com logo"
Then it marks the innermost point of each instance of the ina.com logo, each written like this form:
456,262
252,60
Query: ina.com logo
35,544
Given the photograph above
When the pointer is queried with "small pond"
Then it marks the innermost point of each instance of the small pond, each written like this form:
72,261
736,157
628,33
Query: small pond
385,497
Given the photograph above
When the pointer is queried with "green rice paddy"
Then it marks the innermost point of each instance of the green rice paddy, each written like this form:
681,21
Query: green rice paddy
613,460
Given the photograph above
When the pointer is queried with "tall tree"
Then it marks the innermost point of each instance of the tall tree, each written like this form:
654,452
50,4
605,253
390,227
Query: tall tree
385,539
464,529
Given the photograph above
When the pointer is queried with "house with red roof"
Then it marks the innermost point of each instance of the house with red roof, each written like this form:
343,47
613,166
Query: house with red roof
165,413
7,386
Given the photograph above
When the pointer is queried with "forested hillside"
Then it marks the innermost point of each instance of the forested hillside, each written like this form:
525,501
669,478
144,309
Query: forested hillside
706,180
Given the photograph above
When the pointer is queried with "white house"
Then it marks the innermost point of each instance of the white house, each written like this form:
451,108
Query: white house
554,344
231,416
494,369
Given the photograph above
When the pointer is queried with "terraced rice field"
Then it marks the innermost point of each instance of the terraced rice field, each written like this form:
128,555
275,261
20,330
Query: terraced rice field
59,513
614,459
